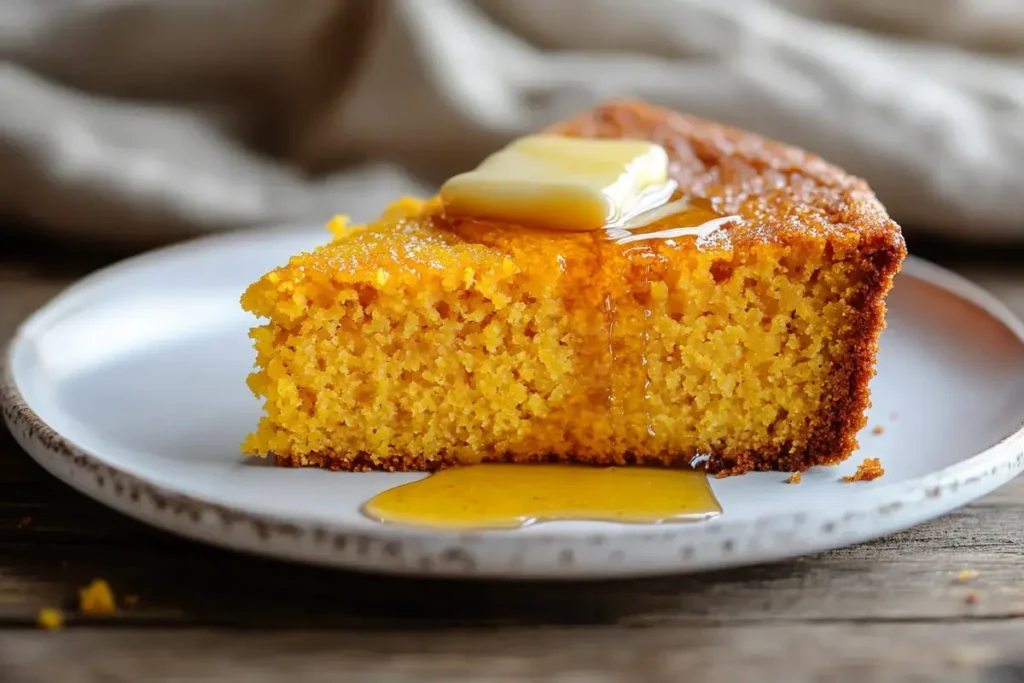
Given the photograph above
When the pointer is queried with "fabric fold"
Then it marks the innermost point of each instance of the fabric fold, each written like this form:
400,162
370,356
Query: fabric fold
150,120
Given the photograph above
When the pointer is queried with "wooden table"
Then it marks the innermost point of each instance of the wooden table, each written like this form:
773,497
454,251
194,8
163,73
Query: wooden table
886,610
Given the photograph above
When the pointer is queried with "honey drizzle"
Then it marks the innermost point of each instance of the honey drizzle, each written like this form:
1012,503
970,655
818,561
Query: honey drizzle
610,312
644,295
646,332
510,496
643,227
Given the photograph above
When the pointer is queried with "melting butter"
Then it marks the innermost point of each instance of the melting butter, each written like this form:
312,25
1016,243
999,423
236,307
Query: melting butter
562,183
578,184
505,496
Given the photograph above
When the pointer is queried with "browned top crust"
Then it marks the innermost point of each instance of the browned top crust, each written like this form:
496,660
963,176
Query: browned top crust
782,192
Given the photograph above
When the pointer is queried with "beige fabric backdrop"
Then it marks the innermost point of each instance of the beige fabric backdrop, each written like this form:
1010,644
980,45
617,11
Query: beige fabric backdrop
150,120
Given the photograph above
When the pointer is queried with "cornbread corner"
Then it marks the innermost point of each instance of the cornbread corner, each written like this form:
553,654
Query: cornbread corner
422,341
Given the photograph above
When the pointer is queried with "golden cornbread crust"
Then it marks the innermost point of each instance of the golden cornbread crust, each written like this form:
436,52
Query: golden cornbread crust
796,289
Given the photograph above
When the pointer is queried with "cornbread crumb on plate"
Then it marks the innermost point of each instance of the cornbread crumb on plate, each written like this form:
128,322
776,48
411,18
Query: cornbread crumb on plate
794,478
966,575
878,430
425,340
96,598
50,618
868,470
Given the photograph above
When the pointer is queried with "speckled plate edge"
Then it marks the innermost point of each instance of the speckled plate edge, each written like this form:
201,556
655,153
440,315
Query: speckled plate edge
622,552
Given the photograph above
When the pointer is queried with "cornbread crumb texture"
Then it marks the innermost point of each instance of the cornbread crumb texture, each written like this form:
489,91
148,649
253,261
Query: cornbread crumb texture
50,619
794,478
868,470
96,598
755,347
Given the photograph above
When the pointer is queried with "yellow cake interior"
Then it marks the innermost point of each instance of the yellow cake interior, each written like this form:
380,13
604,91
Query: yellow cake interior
415,343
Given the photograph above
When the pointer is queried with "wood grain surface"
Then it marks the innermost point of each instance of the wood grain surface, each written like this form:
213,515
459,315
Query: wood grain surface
894,609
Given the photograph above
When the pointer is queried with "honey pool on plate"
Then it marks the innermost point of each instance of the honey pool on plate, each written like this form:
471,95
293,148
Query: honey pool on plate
509,496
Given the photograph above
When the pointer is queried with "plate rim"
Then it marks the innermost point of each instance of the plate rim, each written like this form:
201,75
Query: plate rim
451,552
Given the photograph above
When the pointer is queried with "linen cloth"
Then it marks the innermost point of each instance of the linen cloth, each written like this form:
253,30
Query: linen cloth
141,121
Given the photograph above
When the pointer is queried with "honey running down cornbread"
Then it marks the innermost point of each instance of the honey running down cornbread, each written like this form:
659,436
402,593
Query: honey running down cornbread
428,339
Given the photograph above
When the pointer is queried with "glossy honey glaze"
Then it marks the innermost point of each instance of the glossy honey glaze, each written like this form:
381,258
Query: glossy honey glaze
508,496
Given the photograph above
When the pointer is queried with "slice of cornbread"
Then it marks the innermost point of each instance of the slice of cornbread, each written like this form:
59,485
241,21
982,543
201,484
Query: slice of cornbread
421,341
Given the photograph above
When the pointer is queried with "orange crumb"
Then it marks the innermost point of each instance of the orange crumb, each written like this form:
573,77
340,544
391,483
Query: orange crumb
24,522
972,598
878,430
868,470
51,619
966,575
96,598
131,600
794,478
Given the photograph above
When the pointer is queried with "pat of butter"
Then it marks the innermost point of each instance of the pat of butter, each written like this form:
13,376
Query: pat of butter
561,183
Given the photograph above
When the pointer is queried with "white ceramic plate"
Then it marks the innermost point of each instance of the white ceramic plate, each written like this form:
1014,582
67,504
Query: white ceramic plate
130,387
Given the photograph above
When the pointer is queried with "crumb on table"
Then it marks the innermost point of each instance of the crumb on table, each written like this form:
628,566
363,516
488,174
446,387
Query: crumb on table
966,575
878,430
868,470
794,478
50,618
96,598
972,598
